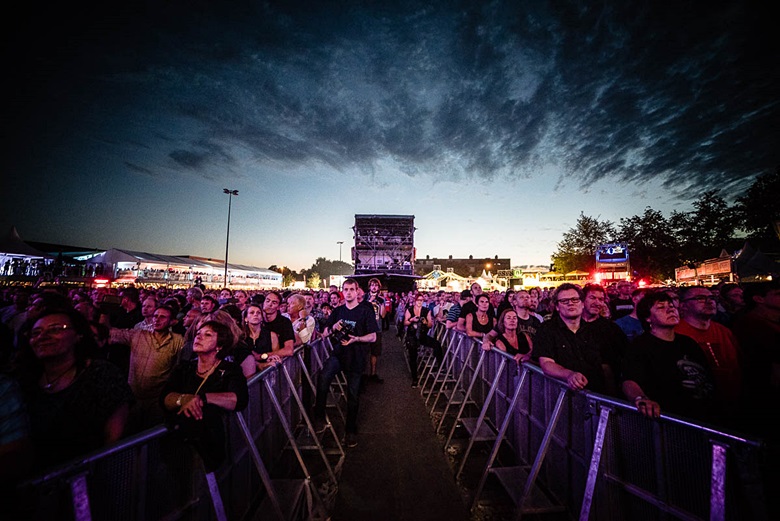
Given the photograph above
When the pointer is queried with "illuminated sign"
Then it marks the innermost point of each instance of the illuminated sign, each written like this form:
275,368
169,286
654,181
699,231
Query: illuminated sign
612,253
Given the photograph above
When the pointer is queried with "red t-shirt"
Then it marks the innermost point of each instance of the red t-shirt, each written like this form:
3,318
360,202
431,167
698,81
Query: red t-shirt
721,349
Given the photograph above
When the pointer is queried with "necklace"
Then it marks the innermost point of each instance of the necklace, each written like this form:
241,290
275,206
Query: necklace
51,383
207,372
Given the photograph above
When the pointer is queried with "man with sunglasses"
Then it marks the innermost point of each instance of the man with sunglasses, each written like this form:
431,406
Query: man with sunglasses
567,347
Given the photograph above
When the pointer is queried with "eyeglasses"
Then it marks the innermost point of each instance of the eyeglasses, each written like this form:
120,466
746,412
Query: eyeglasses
54,329
573,300
702,299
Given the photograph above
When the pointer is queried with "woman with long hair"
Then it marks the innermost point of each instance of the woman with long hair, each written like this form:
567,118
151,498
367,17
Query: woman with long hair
479,323
418,320
262,342
510,340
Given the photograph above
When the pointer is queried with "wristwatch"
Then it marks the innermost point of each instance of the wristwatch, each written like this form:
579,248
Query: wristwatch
203,398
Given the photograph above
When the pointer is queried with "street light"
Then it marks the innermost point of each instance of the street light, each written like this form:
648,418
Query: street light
230,193
339,243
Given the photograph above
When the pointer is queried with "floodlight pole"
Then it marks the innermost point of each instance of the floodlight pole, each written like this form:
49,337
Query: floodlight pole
230,193
339,243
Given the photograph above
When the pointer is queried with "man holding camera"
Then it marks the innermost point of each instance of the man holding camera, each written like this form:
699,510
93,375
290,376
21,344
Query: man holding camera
353,328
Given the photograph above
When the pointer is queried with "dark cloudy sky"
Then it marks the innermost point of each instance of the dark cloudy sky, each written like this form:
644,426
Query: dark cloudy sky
494,123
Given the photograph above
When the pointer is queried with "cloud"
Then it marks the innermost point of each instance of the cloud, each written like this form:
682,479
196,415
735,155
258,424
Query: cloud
626,91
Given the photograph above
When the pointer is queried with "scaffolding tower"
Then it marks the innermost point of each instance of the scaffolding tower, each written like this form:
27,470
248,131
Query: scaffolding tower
384,244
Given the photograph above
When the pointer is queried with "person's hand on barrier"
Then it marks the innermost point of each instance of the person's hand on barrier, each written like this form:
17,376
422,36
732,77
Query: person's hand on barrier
577,381
192,407
486,344
522,358
647,407
274,359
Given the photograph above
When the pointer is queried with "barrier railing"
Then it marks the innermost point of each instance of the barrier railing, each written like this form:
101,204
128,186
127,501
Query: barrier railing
154,475
596,456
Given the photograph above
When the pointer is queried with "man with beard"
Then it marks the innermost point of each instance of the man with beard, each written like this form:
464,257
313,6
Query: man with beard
609,337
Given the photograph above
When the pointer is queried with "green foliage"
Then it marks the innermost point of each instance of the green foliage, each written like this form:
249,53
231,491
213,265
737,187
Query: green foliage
288,275
577,249
759,208
325,268
313,280
657,244
652,244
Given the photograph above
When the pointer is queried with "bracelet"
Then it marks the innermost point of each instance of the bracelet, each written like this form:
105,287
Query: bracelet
640,397
203,398
179,399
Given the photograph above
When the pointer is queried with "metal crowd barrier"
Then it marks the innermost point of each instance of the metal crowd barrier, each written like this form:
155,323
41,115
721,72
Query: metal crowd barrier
154,475
596,456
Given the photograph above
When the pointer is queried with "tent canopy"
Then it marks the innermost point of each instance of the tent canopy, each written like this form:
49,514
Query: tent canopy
13,245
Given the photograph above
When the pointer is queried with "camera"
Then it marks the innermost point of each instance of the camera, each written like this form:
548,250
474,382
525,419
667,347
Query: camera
343,334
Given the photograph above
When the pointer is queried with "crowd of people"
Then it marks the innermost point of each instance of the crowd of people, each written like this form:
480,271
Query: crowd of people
710,354
83,368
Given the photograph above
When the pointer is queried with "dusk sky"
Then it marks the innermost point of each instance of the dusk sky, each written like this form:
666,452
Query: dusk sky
494,123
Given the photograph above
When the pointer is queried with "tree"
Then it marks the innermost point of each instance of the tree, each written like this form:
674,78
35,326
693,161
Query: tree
704,231
758,210
313,280
652,244
288,275
325,268
577,249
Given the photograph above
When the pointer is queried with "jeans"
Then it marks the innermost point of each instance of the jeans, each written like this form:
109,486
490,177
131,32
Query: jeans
329,371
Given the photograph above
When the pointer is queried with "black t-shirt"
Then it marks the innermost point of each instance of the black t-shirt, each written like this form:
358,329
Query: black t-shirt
417,329
282,327
612,342
621,307
674,374
362,321
529,325
471,307
126,320
376,305
578,351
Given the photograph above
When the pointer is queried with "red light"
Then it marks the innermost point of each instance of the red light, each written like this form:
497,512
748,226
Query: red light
642,283
597,277
101,281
